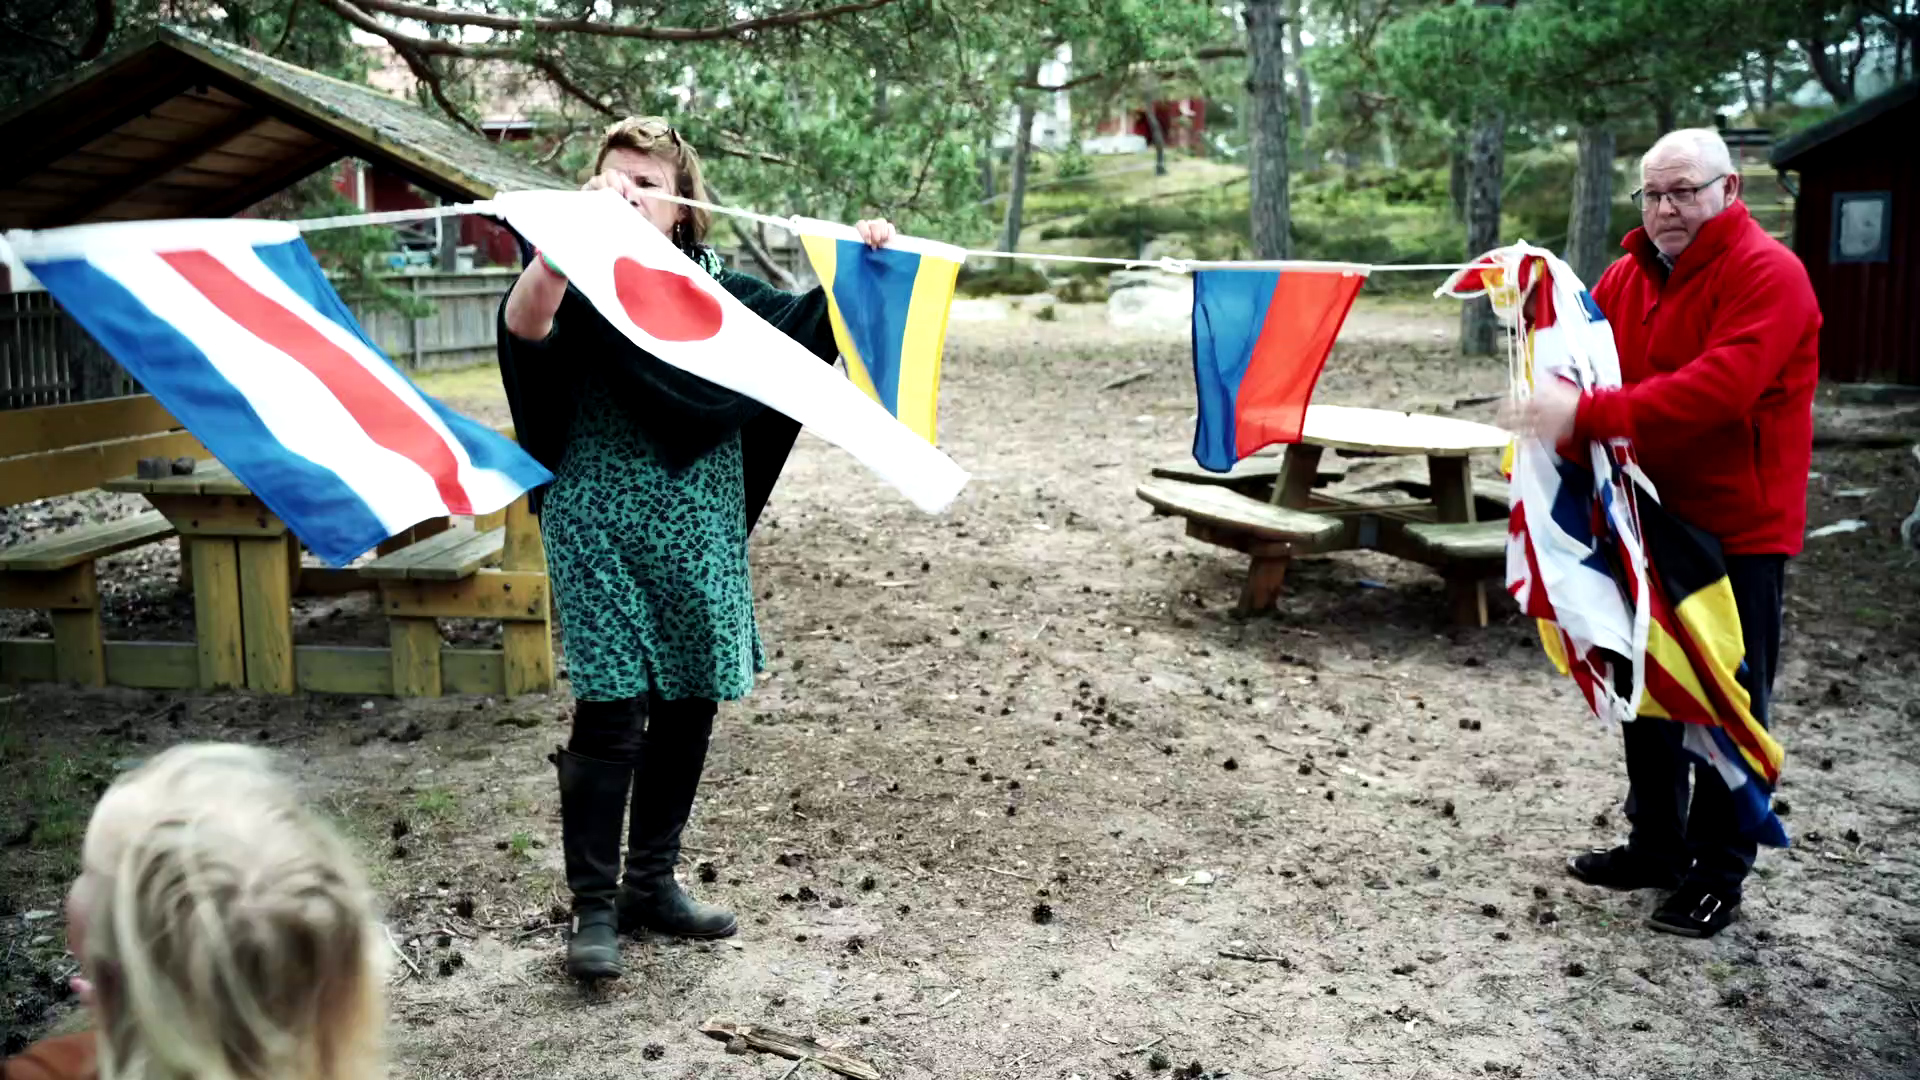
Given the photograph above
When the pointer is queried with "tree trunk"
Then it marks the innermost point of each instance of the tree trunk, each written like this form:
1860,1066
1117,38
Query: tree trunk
1589,223
1158,133
1297,53
1665,116
1486,171
449,254
1389,157
1457,176
986,173
1831,80
1017,182
1769,72
1267,128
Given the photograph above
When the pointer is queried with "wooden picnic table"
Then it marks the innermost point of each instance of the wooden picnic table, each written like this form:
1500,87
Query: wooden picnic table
244,566
1296,518
1447,443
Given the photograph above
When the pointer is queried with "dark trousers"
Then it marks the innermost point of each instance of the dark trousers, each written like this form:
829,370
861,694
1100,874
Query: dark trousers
1704,843
662,747
622,731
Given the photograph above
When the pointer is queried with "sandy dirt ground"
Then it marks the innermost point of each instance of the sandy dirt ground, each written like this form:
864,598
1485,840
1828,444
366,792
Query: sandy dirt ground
1018,780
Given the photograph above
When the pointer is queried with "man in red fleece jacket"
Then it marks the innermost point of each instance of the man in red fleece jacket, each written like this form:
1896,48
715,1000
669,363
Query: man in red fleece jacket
1718,333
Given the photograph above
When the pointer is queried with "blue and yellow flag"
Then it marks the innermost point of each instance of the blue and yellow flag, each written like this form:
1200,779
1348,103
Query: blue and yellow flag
889,309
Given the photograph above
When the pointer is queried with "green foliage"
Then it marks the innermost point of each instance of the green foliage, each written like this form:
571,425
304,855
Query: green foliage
1140,222
46,39
1002,278
1072,164
1571,61
347,255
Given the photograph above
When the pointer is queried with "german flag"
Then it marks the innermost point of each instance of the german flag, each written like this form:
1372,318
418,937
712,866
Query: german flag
1696,663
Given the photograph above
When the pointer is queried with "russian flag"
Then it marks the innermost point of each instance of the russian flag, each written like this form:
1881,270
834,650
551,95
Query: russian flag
235,329
1260,338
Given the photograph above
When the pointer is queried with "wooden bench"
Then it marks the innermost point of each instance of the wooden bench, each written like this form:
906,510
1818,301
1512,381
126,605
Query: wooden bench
1465,554
1271,534
60,450
1491,498
1253,476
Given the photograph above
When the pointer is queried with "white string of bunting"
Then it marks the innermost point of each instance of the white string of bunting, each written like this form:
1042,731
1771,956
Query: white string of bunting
794,225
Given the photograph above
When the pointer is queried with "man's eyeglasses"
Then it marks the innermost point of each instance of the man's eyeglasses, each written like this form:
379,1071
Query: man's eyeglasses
1681,198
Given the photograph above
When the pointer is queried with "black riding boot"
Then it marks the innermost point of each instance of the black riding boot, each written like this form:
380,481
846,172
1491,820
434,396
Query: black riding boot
592,794
665,779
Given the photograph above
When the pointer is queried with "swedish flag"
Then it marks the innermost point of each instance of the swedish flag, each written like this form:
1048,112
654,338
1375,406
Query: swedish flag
889,308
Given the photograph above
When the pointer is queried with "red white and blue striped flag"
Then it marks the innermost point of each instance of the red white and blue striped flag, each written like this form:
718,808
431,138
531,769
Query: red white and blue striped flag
234,328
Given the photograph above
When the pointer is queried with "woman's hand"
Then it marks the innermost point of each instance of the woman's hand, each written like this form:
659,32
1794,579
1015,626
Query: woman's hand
877,232
618,182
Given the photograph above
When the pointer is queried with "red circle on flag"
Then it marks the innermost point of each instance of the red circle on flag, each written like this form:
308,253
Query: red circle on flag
667,305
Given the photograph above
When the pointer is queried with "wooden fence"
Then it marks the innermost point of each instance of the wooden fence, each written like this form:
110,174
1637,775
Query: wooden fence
47,359
459,332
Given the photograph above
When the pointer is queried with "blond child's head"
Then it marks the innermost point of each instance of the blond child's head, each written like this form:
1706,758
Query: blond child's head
228,932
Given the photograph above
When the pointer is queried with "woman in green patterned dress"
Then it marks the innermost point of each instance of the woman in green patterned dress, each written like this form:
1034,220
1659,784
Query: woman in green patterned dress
659,477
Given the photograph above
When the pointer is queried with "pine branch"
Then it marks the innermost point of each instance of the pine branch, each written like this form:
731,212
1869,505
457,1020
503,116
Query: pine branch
417,46
551,69
96,43
423,70
286,32
584,25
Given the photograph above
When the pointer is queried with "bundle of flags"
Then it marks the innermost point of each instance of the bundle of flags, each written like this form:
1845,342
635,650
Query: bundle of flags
235,329
1260,339
1631,601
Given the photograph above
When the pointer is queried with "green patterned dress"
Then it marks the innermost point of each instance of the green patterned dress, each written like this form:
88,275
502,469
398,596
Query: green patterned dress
649,566
647,553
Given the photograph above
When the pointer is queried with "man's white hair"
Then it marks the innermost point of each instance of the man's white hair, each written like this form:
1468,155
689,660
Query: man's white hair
1701,146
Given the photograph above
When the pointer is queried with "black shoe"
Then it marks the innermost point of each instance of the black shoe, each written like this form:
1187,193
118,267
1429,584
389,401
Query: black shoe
592,795
668,774
1620,869
1695,911
662,906
593,949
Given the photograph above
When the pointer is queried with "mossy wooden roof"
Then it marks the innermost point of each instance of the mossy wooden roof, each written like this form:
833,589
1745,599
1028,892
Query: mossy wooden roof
179,125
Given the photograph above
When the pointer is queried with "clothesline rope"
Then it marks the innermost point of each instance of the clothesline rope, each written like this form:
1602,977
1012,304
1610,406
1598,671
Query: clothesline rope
793,224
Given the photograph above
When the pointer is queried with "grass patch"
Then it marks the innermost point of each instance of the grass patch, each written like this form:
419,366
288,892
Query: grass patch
473,381
436,803
45,810
520,845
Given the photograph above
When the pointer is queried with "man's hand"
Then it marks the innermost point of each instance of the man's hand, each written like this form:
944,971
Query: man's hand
1548,415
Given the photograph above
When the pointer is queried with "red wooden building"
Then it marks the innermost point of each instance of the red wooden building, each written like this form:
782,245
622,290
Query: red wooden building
1857,228
1183,120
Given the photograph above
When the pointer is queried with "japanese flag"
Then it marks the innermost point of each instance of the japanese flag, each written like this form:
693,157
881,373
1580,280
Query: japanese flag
667,305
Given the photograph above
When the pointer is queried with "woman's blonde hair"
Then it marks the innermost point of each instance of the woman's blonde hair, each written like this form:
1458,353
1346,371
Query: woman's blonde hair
229,932
655,137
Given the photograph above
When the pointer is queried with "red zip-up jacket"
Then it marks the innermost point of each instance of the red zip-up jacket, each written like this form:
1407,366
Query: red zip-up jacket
1718,364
